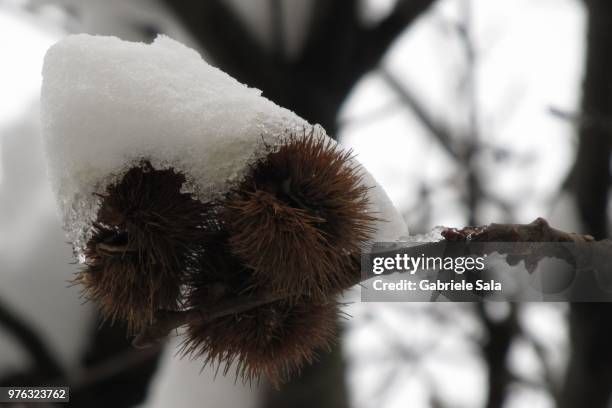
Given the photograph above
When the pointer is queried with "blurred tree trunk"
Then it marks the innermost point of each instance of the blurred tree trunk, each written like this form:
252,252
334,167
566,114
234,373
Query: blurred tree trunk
339,49
337,52
495,352
589,377
591,173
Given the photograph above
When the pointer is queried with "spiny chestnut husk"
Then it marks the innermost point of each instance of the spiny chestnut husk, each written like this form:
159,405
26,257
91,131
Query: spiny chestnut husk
273,340
146,239
300,217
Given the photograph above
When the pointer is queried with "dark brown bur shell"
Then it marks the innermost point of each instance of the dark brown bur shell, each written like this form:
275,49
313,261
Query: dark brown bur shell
273,340
300,218
146,239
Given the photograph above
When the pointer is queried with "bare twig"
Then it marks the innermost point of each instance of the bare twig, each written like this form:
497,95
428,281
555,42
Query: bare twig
438,130
537,231
117,364
600,122
495,350
166,321
474,190
548,378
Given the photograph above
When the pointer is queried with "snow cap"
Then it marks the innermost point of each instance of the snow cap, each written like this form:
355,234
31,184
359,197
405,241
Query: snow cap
107,104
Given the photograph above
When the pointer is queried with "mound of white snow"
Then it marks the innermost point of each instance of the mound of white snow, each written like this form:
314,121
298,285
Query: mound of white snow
108,103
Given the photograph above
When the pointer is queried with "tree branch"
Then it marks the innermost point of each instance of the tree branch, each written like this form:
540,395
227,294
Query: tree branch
387,30
495,350
436,129
42,357
225,37
537,231
337,52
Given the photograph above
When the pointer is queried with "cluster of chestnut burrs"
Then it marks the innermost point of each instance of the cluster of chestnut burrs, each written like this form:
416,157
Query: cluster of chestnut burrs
252,276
